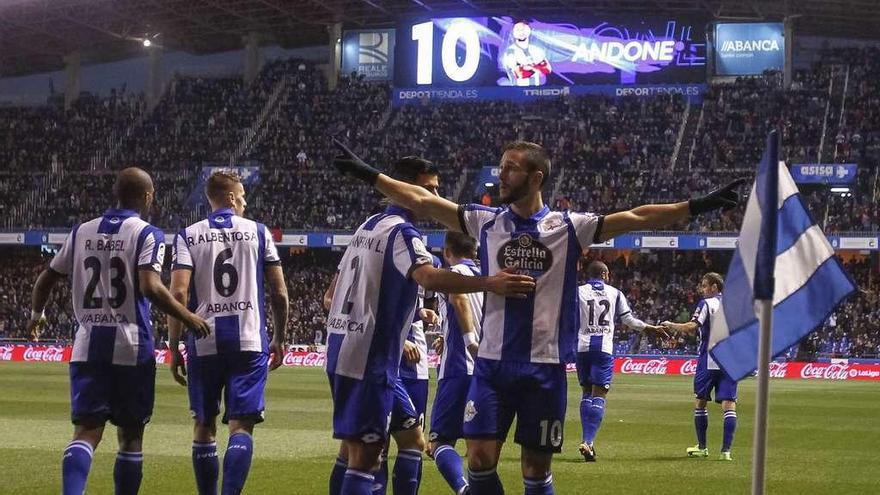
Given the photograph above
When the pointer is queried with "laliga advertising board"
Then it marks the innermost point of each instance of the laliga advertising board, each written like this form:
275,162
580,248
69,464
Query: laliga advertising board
484,56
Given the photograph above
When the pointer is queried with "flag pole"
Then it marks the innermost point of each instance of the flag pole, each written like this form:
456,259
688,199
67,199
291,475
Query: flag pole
759,447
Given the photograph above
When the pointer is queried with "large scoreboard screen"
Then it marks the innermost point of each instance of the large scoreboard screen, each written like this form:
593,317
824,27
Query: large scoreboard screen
503,51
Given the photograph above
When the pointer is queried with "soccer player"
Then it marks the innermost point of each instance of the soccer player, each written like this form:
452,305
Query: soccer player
460,343
600,306
114,263
520,371
220,264
372,301
709,376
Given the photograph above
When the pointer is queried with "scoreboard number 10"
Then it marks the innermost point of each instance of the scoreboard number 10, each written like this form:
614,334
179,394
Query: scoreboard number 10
458,32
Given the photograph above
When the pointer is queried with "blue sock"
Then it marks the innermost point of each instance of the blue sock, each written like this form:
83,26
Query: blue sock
701,423
237,463
75,465
449,465
485,482
128,472
337,476
539,486
380,476
206,466
407,474
357,483
729,430
594,419
586,404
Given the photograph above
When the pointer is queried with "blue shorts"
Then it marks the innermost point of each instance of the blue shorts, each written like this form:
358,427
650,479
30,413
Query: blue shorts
361,408
238,377
123,395
705,380
536,394
418,393
447,413
404,414
595,368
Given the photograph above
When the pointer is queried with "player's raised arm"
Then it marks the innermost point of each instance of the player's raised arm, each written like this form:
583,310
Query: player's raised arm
653,217
414,198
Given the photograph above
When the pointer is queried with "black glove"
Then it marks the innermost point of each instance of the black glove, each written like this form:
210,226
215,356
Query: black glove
350,164
725,198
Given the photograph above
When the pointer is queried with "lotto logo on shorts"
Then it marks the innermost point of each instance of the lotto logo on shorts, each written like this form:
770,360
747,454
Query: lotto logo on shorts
370,437
469,411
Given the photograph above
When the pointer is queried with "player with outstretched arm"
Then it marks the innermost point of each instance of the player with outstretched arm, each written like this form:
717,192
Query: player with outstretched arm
520,371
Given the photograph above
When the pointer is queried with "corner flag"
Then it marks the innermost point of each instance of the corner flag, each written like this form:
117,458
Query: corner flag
783,256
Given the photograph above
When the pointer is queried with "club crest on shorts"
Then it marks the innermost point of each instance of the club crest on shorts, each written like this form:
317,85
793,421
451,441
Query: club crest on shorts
526,253
469,411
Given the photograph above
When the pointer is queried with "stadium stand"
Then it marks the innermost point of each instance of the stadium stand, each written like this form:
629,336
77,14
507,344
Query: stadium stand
609,154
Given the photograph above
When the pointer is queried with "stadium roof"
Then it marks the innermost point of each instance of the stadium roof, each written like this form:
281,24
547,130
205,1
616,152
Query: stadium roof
35,35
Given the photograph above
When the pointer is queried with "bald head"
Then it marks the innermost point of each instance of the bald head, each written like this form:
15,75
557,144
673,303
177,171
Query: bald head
597,270
133,189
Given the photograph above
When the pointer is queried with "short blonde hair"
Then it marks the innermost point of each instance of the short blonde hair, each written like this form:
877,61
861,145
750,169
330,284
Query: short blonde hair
221,183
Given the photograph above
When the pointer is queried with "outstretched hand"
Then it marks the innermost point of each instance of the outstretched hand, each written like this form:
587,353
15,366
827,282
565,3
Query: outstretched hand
350,164
510,283
724,198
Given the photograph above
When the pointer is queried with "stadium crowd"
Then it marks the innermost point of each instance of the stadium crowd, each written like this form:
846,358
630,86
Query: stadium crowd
659,285
614,152
609,154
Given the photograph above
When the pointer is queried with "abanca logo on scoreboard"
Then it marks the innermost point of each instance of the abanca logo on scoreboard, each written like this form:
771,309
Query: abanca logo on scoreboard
750,46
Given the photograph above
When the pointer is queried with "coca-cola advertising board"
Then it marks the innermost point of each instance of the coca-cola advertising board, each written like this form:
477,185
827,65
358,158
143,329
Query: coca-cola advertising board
625,365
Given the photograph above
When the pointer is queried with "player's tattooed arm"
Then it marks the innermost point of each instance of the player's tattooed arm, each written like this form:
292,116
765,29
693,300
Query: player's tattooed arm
409,196
280,307
39,297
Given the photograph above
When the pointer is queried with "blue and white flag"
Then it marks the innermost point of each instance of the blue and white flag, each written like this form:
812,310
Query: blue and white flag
783,256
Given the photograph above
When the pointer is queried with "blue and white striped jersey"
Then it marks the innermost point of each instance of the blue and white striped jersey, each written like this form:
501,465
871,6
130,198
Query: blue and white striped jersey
102,257
601,306
227,255
375,297
543,327
456,360
704,315
416,335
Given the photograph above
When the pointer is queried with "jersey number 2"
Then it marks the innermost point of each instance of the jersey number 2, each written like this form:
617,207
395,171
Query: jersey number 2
348,304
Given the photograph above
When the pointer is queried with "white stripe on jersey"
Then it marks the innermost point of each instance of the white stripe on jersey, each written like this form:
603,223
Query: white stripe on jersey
375,298
456,352
543,327
103,257
601,305
227,255
707,311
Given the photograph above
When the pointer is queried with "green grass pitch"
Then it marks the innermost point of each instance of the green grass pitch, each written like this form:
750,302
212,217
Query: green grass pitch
824,438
